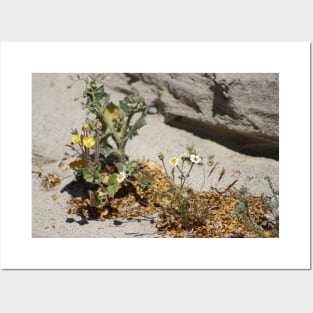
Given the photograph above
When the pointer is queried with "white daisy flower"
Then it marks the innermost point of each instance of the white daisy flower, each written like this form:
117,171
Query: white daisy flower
195,159
121,176
174,161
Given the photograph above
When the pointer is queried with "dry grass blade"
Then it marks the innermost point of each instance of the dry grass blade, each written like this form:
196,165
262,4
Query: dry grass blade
212,170
231,185
221,174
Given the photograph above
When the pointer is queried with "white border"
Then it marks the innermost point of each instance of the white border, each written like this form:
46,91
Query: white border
290,251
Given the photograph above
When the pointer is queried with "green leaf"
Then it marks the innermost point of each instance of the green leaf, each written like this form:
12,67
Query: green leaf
211,159
114,188
134,129
91,177
120,167
105,100
105,151
97,178
189,189
96,199
88,176
98,169
104,144
112,180
100,89
242,208
124,105
114,185
111,190
185,195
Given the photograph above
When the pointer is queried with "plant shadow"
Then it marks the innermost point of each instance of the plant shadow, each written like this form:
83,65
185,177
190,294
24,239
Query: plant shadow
76,189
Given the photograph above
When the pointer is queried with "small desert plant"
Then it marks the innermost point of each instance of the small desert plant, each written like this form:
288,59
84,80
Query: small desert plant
104,136
193,213
179,199
272,205
243,212
271,216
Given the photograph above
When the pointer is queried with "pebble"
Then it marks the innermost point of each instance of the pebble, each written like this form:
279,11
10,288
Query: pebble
152,110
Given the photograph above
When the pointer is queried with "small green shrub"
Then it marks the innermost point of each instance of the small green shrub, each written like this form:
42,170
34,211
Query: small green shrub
272,205
105,134
270,219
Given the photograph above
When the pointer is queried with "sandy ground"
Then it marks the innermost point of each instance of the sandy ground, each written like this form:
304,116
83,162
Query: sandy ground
54,114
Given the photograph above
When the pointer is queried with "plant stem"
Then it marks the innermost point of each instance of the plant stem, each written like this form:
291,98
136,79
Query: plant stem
184,179
104,120
182,176
166,173
123,141
97,147
87,156
86,150
173,174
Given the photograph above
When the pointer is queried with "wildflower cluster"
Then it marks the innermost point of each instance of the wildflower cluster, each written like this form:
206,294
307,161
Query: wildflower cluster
84,141
103,165
91,167
177,164
177,167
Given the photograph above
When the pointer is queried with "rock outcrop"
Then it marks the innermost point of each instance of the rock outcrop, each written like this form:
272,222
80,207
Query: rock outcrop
240,111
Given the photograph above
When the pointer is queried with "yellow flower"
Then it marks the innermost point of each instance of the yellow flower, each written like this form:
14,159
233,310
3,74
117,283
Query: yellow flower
86,127
88,142
134,164
75,138
174,161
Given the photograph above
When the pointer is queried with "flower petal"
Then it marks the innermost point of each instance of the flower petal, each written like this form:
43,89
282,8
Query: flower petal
75,138
89,142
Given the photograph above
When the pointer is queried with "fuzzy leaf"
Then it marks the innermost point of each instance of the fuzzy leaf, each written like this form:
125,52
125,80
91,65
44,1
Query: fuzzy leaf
114,188
112,180
134,129
96,198
105,100
211,159
124,105
88,176
120,167
97,178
